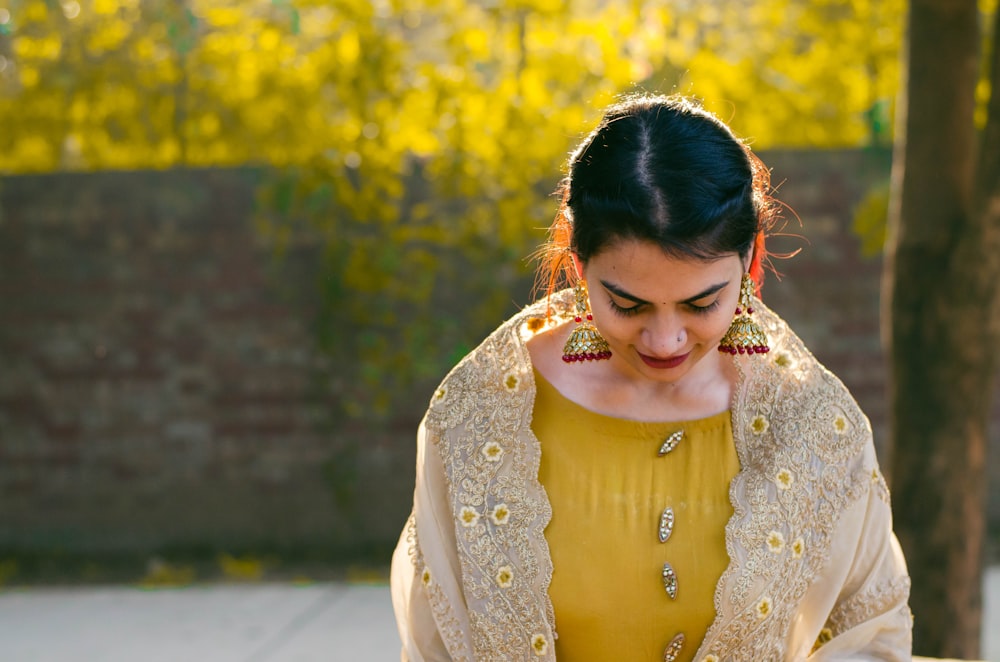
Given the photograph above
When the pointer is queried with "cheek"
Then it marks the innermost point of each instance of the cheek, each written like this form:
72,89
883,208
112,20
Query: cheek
613,325
714,326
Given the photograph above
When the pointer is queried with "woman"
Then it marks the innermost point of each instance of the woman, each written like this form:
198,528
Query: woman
627,470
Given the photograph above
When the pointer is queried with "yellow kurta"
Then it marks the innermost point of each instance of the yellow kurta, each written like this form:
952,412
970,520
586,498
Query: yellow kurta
608,489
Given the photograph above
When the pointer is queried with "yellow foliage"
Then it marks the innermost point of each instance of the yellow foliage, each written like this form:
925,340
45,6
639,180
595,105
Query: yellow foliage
8,570
108,38
161,574
104,6
43,48
477,42
870,220
296,81
209,125
348,48
270,38
29,76
36,11
982,99
144,49
223,17
410,128
367,576
37,151
241,569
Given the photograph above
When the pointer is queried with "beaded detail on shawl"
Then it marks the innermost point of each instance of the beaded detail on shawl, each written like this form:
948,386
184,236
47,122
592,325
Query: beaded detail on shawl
480,418
800,438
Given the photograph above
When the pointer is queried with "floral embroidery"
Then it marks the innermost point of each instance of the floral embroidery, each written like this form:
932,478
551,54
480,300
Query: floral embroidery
411,540
759,425
468,517
763,608
511,381
482,436
840,425
505,576
798,547
881,489
825,635
818,474
866,604
444,614
783,360
539,644
535,324
711,657
440,393
493,451
500,514
776,542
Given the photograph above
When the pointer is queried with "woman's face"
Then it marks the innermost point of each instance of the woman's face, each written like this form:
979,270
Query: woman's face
662,315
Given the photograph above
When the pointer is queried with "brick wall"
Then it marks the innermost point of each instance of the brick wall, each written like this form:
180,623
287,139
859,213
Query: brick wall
829,293
160,384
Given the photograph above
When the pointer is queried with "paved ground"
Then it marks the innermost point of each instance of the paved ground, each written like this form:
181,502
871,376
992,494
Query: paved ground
251,623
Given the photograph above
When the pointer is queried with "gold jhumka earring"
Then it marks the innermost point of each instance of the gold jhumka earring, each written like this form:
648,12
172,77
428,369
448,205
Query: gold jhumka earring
585,343
744,335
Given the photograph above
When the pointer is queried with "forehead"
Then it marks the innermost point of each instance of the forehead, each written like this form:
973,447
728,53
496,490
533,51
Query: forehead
644,270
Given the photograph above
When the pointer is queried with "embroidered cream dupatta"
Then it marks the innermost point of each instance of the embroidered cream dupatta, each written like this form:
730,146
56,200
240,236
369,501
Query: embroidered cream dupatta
815,572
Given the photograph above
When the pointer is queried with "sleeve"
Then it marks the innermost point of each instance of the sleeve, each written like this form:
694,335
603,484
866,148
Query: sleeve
425,578
417,629
860,606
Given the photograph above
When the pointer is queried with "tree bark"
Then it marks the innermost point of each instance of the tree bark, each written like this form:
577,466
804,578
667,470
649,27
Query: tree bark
940,298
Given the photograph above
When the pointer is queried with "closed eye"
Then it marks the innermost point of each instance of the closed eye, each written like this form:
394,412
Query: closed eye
624,311
703,310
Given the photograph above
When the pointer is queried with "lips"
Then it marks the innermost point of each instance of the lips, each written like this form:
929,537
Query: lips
662,364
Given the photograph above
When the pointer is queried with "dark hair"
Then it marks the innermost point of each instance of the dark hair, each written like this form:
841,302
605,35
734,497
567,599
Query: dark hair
665,170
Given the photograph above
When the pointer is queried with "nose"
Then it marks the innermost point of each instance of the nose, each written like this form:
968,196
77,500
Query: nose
665,336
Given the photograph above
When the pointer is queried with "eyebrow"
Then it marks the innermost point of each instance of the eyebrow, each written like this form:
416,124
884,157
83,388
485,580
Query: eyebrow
614,289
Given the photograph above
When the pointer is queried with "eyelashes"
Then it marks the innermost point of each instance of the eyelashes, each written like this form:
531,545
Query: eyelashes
634,310
621,310
704,310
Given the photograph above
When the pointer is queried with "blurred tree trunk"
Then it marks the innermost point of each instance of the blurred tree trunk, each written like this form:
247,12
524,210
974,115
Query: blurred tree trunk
940,314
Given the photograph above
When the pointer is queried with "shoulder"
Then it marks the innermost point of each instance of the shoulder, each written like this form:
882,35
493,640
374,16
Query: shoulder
798,428
499,366
808,405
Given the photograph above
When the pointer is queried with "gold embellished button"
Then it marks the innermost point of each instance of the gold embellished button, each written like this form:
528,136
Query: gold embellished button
670,581
671,443
673,649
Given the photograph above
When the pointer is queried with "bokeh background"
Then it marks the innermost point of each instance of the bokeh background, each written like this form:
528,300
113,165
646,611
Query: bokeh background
241,242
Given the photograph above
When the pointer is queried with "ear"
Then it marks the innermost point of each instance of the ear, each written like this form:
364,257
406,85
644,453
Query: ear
577,265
